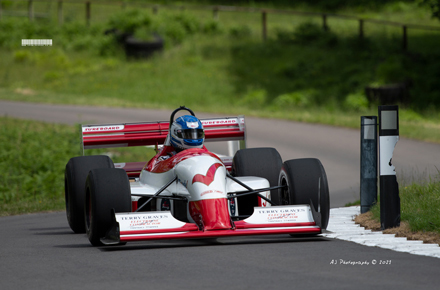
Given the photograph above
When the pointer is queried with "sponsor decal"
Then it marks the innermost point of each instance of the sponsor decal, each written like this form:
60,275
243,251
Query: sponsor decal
232,206
220,122
162,158
147,221
143,217
211,191
143,222
209,177
192,124
103,128
281,211
281,215
119,165
165,204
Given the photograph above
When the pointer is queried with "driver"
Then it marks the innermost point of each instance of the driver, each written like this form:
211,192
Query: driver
187,132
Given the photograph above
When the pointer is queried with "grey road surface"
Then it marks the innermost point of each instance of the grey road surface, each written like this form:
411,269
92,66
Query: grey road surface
337,148
39,251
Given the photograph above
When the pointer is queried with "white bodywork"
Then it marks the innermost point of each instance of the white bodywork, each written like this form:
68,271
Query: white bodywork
149,183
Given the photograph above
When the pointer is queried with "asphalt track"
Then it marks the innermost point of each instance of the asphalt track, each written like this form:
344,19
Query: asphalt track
39,251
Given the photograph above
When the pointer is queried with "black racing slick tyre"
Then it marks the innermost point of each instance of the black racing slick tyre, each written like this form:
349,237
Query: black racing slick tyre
107,191
75,176
260,162
305,180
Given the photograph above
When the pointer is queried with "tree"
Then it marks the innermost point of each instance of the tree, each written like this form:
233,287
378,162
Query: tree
434,5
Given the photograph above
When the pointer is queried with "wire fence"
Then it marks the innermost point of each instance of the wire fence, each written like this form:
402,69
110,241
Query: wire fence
70,10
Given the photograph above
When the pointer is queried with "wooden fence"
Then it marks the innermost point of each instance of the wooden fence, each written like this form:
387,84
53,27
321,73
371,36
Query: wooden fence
216,9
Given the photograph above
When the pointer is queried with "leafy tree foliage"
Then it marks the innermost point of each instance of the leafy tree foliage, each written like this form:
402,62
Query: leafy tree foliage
434,5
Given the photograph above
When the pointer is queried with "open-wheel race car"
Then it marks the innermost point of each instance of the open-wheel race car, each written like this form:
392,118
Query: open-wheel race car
191,193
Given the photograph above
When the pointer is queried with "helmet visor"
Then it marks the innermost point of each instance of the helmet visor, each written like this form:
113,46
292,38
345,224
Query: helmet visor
191,134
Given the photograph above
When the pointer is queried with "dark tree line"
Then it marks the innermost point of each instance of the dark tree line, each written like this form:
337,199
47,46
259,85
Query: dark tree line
328,5
434,5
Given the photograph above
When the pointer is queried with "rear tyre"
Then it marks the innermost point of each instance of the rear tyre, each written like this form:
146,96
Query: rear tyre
74,186
106,189
260,162
305,180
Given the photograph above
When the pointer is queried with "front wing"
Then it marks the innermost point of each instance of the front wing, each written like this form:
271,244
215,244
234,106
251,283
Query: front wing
292,219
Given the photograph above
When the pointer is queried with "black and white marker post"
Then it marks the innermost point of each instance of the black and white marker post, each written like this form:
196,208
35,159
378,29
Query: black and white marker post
389,189
368,162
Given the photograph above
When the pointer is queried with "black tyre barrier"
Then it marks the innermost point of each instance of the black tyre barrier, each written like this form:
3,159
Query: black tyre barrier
389,94
135,48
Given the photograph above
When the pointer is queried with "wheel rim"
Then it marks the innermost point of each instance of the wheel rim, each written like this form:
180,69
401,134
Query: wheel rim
285,198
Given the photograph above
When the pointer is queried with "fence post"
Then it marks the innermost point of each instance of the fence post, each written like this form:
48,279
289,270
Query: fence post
324,22
31,10
404,38
264,23
88,13
361,28
215,13
60,12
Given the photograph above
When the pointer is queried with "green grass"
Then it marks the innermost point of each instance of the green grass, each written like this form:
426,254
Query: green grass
32,161
354,203
419,206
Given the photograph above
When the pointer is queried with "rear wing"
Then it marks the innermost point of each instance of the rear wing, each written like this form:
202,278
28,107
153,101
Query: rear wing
230,129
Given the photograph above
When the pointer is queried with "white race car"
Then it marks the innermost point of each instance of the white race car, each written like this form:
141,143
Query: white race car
194,193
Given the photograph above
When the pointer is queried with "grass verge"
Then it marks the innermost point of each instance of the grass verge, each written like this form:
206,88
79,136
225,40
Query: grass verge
420,213
32,161
368,221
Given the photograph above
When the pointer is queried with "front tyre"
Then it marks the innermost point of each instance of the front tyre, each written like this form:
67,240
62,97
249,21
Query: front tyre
74,186
305,181
107,189
260,162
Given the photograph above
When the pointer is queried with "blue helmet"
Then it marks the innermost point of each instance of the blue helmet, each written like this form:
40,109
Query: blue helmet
187,132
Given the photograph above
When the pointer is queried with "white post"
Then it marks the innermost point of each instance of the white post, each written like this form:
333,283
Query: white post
389,188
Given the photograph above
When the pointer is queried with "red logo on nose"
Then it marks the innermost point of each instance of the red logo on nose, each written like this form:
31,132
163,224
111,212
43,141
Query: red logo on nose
209,177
